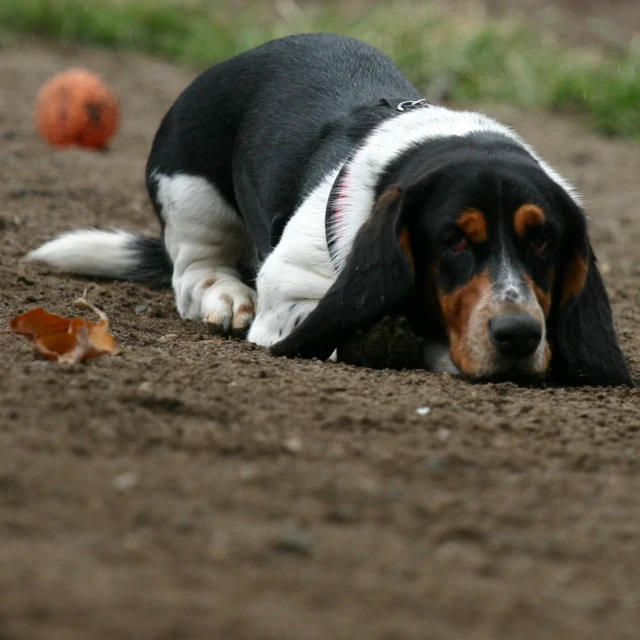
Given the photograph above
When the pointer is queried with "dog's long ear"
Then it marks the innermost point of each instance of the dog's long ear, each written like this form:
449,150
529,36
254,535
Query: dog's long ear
376,279
586,348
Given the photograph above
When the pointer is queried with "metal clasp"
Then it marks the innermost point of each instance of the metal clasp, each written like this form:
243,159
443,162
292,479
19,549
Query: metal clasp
407,104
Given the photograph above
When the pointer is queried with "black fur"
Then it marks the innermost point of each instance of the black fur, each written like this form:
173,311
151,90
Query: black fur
274,120
153,265
587,350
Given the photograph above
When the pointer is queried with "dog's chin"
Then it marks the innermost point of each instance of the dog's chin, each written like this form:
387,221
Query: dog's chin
521,371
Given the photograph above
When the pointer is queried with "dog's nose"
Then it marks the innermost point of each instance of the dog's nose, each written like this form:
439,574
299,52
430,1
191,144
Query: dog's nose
515,335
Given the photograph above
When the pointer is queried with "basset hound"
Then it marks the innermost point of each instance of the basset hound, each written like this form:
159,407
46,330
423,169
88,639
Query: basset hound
306,190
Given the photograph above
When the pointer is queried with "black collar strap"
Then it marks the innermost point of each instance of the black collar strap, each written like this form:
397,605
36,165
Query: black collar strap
341,184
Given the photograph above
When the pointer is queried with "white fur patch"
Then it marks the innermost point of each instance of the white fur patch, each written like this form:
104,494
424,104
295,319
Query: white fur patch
90,252
297,273
205,239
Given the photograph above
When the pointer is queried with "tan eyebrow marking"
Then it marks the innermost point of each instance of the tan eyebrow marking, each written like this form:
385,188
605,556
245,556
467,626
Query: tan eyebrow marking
527,216
473,224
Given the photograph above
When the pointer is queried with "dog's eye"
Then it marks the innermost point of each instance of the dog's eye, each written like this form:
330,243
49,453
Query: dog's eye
539,243
458,243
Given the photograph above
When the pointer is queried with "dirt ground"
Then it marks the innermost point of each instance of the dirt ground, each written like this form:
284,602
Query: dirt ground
193,488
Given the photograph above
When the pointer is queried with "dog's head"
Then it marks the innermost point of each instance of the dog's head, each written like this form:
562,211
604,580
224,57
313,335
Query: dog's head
488,251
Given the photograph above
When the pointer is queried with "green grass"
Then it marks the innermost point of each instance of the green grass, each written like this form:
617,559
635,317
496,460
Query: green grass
472,58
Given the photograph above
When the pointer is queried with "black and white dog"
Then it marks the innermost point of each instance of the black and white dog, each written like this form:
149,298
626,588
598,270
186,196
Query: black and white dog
310,168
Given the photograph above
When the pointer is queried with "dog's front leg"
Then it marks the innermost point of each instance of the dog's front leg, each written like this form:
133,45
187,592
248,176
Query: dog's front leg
206,241
294,277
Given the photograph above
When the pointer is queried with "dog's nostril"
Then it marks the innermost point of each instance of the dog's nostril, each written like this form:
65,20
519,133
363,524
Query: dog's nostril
515,335
511,294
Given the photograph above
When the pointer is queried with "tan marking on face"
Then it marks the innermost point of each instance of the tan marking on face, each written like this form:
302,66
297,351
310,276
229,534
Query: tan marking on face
460,310
474,225
543,297
466,313
575,276
526,217
405,245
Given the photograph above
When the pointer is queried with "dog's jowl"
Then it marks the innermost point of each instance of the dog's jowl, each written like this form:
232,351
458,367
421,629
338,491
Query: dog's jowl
306,191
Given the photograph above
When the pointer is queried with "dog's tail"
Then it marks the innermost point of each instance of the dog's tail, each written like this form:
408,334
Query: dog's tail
108,254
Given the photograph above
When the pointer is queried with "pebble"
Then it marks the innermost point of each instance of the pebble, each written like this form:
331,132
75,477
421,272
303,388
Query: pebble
140,308
125,481
145,387
292,444
423,411
296,541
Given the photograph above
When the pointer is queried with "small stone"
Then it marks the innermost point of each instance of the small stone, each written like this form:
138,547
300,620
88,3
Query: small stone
140,308
292,444
169,337
125,481
423,411
295,541
145,387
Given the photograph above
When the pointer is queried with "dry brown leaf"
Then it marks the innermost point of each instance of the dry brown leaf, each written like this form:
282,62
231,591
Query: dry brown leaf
69,340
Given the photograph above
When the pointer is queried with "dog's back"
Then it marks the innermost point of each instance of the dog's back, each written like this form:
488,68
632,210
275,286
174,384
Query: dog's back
267,125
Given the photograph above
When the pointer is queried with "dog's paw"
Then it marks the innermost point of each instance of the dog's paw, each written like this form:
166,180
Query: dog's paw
389,344
228,307
218,298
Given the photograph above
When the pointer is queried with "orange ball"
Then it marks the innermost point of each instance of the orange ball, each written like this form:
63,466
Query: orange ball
77,107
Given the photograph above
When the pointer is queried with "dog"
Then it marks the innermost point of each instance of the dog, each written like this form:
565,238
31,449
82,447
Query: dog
306,190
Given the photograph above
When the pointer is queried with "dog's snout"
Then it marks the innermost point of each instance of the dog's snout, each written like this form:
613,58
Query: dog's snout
515,335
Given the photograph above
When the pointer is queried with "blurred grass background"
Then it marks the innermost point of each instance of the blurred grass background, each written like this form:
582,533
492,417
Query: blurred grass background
452,55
